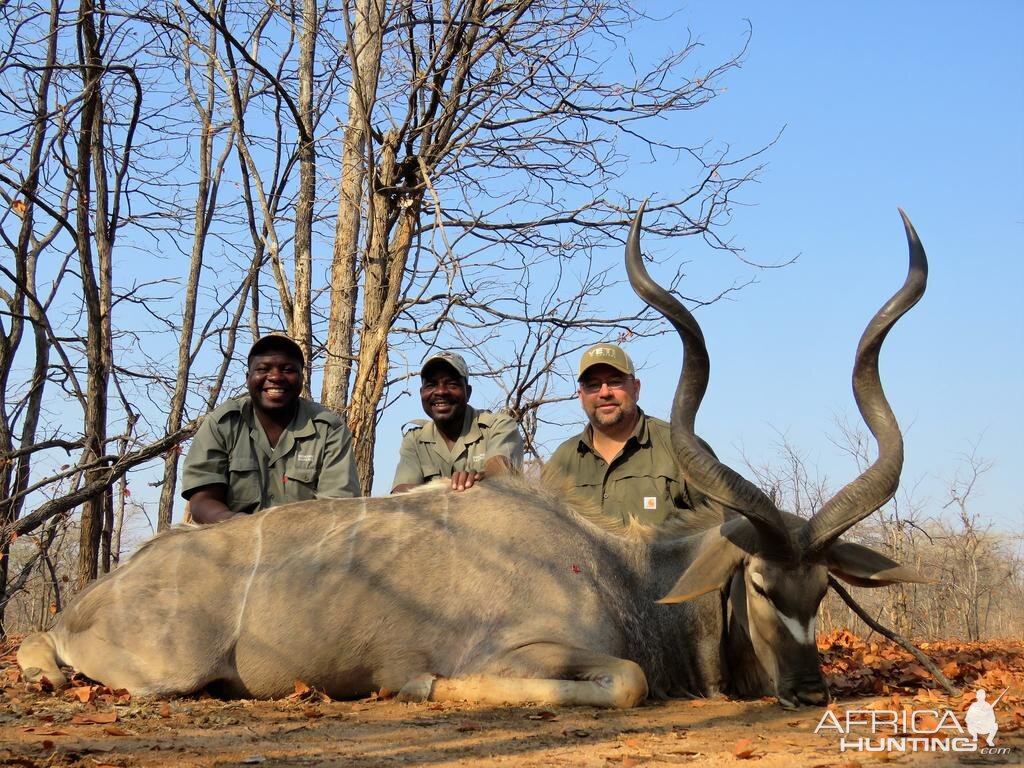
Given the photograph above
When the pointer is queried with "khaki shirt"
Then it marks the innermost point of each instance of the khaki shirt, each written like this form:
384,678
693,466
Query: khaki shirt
312,459
641,482
424,455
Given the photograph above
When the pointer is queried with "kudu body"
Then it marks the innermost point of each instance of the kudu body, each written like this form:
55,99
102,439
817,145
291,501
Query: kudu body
502,593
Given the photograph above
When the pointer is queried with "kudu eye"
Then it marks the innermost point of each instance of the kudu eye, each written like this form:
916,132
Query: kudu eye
757,582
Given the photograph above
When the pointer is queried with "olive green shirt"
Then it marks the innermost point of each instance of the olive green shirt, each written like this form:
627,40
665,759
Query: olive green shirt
641,482
424,455
312,458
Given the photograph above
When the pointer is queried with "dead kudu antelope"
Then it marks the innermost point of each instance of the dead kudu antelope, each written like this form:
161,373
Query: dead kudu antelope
501,594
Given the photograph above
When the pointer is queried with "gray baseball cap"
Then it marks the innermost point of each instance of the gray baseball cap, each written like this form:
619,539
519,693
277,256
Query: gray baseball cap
454,359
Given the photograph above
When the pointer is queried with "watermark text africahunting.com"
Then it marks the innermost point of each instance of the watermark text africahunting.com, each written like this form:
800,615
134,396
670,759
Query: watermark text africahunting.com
914,730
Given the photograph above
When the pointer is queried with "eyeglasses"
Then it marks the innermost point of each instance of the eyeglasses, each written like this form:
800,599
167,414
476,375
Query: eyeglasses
593,387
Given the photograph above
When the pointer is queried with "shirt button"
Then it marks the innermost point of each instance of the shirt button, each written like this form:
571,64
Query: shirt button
604,495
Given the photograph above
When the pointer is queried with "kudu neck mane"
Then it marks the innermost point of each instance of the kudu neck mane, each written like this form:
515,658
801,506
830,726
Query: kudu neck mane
563,493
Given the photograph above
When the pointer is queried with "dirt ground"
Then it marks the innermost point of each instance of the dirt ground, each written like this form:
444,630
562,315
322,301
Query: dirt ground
95,727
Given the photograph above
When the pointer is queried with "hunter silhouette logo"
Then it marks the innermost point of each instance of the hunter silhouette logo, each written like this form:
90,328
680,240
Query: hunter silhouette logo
911,730
981,717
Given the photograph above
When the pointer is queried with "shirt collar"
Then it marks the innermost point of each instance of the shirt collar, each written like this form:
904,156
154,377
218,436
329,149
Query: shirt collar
301,425
470,429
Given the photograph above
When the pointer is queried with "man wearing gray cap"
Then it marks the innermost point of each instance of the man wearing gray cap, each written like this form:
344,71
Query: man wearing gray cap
623,461
457,441
269,447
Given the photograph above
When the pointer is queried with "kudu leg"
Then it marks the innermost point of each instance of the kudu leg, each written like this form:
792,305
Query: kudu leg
37,657
542,673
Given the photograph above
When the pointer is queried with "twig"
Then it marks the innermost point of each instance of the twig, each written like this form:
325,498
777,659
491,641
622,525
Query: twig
906,645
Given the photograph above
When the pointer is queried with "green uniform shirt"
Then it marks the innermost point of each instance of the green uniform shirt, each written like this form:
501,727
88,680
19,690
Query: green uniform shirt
424,454
641,482
312,458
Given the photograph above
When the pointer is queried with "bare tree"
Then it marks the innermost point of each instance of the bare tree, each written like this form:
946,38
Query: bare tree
969,565
376,177
198,72
484,149
74,178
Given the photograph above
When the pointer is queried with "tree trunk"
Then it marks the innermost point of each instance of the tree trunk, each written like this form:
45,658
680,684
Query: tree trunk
301,322
96,294
206,202
119,515
365,45
14,475
384,270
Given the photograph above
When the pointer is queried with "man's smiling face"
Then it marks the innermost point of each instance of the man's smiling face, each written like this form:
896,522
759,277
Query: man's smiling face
444,394
609,398
274,381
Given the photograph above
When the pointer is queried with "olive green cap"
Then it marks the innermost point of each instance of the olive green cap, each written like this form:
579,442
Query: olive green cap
606,354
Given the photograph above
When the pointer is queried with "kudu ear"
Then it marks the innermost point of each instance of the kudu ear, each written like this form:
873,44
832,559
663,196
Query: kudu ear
864,567
711,569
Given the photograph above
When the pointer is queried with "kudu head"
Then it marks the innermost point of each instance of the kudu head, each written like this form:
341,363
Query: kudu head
775,565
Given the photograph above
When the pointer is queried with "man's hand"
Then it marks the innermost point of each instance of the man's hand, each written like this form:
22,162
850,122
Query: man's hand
495,466
465,479
207,504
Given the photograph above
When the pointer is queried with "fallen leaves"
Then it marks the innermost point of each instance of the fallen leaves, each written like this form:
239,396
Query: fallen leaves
90,693
744,749
84,693
854,666
306,693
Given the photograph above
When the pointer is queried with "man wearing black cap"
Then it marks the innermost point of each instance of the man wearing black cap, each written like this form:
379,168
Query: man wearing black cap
269,447
457,441
623,461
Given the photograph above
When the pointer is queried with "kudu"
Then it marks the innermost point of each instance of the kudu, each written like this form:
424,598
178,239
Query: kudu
504,593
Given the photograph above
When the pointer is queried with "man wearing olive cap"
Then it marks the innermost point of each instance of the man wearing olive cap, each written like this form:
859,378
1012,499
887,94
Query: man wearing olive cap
269,447
623,461
457,441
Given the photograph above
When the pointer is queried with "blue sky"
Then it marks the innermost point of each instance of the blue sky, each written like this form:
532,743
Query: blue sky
918,105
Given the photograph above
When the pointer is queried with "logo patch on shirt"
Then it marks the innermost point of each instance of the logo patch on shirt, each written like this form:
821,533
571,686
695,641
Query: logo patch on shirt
650,502
305,458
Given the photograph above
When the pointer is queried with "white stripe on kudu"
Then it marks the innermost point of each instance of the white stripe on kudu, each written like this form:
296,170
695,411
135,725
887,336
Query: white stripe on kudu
806,635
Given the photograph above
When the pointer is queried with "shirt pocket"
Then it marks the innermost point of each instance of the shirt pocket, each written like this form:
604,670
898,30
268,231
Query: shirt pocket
301,483
646,497
431,466
244,491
